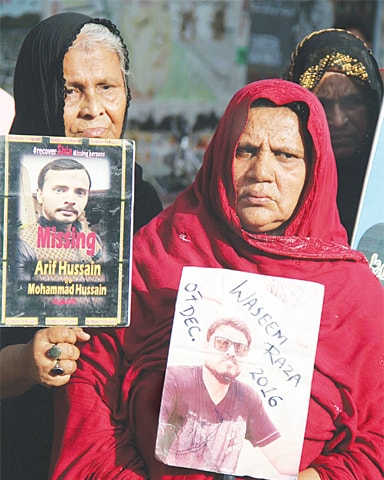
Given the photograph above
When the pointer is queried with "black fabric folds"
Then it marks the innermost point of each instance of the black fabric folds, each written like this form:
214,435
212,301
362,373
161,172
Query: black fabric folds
39,92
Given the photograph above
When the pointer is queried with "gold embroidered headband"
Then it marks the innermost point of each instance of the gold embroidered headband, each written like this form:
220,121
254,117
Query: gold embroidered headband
340,62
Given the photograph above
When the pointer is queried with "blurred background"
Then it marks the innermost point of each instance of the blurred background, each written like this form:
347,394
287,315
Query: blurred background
187,59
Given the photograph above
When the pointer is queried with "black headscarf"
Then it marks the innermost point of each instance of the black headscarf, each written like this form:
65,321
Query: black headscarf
335,50
38,80
39,92
340,51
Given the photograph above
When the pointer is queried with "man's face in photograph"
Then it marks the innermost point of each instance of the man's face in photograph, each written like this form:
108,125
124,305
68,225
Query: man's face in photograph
225,347
64,196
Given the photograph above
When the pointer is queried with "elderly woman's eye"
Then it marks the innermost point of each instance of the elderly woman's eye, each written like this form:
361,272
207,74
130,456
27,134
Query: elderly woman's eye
68,92
245,152
284,154
105,88
353,102
240,151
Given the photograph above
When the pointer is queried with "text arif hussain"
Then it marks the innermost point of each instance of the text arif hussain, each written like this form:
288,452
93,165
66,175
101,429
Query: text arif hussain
62,267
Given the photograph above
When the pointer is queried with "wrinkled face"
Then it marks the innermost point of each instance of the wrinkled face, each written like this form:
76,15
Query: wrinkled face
269,169
95,98
64,196
347,108
224,365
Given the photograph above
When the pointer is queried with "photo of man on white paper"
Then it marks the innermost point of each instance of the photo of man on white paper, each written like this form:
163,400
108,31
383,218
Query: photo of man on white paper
225,400
207,413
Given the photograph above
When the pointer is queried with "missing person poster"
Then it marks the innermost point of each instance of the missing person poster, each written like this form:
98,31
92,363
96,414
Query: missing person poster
66,208
368,236
239,373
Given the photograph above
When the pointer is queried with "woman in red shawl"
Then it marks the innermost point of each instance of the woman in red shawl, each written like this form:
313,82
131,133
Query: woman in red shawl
276,215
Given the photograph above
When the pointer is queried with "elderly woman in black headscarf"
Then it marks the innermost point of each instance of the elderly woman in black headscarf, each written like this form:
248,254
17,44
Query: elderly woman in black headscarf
343,73
70,80
42,97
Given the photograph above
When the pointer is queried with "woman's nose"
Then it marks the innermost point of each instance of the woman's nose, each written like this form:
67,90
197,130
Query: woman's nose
336,115
261,167
91,105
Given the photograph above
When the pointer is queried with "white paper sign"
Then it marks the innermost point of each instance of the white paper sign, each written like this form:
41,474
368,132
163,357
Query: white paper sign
239,373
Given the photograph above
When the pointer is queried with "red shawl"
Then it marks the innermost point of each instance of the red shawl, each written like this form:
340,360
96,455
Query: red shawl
106,418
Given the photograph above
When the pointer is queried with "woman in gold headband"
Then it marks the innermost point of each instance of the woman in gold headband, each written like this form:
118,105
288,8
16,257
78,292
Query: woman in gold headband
342,72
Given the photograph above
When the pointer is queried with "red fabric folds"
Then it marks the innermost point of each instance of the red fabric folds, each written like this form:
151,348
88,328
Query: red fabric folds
107,415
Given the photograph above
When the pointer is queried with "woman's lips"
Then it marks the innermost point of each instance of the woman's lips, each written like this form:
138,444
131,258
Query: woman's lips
256,198
94,132
342,139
